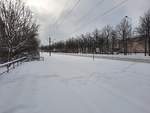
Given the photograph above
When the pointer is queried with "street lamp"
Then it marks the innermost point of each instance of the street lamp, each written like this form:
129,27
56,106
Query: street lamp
128,19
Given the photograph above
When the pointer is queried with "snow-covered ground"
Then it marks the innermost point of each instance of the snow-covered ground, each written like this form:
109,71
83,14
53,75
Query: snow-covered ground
71,84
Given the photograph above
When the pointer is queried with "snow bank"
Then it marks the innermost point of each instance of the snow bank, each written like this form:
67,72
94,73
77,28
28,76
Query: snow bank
132,57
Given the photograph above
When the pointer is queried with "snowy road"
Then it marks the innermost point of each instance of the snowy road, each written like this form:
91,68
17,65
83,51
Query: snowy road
70,84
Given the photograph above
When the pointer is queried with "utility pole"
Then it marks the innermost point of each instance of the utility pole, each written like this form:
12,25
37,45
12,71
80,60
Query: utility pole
49,46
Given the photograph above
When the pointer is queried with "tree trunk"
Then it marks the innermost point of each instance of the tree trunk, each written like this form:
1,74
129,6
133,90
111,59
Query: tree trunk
124,45
149,45
113,41
145,45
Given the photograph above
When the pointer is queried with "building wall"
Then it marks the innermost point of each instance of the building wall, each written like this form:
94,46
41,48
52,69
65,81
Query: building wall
136,45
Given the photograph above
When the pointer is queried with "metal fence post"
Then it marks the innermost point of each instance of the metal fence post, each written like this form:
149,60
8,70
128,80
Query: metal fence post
7,68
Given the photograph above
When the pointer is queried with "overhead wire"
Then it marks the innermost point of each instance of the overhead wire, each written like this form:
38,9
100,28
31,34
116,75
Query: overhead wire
97,17
71,11
91,10
60,15
59,21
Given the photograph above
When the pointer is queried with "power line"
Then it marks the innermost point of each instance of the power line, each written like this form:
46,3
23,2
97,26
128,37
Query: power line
61,13
91,10
104,14
70,12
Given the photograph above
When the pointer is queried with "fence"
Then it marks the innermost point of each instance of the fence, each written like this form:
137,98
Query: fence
11,65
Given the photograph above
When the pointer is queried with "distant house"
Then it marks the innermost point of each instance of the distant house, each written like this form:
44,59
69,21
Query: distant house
135,44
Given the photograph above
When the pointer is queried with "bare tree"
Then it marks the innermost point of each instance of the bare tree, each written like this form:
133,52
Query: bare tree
17,27
107,31
113,40
95,40
144,30
124,31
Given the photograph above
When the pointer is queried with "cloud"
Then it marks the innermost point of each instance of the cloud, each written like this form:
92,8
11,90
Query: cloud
135,9
48,11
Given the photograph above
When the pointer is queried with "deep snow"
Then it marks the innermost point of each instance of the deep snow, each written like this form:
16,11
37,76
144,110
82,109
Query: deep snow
71,84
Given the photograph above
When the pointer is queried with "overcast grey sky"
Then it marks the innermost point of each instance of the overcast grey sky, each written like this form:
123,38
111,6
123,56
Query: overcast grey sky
58,20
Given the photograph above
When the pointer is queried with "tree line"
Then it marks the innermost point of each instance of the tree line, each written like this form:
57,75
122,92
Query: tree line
104,41
18,30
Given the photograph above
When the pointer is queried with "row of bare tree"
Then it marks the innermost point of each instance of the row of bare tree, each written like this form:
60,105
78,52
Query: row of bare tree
105,41
18,30
144,30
